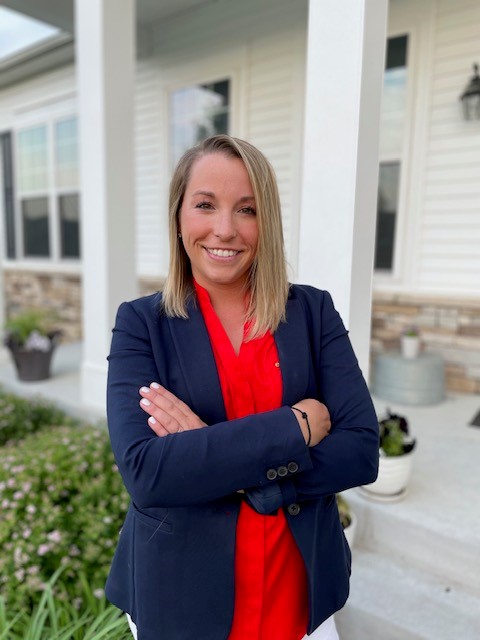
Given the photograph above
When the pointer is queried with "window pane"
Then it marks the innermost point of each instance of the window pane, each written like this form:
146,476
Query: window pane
397,52
394,98
32,159
35,227
198,112
69,226
66,154
386,215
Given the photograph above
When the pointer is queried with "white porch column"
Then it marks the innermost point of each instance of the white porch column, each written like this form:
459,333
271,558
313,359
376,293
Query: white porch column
105,59
345,63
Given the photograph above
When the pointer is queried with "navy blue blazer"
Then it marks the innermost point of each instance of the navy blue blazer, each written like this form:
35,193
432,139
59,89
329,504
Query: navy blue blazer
173,569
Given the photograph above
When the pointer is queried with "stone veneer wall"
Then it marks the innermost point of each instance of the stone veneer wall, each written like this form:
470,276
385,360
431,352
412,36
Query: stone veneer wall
57,292
449,326
60,293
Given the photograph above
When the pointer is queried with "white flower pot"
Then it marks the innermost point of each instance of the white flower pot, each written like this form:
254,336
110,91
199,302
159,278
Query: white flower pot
393,476
410,347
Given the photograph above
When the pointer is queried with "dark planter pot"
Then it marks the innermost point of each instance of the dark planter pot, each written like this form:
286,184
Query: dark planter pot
32,365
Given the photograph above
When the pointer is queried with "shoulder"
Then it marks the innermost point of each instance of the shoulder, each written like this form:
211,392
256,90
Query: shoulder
309,295
146,309
146,304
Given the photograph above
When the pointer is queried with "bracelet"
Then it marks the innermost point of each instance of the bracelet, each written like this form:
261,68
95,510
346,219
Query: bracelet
305,417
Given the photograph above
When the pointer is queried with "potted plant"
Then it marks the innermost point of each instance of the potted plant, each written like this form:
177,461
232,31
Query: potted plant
396,455
347,518
410,343
31,339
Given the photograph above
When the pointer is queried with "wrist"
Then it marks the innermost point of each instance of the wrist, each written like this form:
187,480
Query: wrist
304,424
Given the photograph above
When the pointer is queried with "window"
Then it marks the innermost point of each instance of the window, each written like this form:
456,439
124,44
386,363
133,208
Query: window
46,221
392,127
197,112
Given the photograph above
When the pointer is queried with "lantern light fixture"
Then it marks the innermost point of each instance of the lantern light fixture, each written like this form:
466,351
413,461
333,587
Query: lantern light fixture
471,97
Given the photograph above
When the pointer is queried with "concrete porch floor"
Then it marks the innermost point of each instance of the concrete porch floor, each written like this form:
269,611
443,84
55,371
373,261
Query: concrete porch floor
433,532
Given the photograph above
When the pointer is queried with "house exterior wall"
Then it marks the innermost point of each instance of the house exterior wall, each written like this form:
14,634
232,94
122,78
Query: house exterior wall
448,256
436,285
261,48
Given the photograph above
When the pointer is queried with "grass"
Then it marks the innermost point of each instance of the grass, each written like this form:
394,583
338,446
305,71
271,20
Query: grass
58,619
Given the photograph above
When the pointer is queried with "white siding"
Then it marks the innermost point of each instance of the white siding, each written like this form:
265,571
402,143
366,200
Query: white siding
275,81
36,97
449,258
151,214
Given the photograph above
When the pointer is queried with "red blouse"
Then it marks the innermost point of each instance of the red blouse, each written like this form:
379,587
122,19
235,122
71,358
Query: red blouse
271,598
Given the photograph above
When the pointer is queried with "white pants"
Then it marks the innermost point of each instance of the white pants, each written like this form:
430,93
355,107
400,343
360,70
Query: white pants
326,631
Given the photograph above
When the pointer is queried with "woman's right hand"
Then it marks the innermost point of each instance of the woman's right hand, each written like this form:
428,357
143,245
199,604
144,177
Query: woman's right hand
318,419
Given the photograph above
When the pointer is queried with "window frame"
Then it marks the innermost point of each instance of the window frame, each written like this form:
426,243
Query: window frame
52,193
397,274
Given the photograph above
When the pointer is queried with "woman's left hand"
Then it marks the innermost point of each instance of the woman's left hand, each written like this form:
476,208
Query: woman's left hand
168,414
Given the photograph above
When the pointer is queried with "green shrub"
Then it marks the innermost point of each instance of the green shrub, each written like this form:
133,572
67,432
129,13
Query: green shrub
54,619
19,417
62,503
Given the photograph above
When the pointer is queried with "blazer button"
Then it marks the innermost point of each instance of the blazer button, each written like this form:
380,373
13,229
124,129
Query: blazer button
293,509
271,474
282,471
292,467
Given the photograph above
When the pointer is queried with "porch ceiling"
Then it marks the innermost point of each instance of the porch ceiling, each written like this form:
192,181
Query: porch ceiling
60,12
59,50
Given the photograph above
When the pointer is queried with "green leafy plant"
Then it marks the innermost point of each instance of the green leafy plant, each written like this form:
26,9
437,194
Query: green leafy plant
411,332
31,329
58,619
63,503
395,438
19,417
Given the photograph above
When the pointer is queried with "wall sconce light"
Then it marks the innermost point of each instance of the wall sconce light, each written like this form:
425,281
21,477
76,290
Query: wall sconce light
471,97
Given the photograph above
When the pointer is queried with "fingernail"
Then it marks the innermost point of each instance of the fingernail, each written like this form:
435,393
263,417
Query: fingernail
144,389
152,420
145,402
155,385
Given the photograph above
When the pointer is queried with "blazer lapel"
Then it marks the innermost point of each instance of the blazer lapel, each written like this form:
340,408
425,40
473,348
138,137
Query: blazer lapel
197,363
293,347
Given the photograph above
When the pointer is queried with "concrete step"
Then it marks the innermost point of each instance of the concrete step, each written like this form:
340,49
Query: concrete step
394,601
410,537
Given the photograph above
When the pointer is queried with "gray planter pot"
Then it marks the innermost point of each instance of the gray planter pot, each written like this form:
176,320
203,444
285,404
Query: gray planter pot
32,365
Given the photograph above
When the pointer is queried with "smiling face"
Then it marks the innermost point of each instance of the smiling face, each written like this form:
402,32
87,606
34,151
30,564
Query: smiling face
218,222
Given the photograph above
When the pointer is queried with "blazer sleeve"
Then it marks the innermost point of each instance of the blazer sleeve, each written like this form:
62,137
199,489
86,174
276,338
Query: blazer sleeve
348,456
195,466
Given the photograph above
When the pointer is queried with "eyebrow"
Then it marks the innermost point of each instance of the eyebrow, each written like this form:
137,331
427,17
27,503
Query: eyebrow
210,194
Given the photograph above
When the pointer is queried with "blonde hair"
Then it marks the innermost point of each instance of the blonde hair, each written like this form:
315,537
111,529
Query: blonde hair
268,282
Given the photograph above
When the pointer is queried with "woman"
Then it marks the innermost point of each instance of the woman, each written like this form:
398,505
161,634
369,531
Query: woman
228,453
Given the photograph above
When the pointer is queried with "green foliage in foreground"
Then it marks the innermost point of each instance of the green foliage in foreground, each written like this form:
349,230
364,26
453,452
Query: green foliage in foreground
20,417
63,504
58,619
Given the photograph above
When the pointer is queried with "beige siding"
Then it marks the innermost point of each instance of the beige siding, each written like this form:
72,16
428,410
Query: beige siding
449,259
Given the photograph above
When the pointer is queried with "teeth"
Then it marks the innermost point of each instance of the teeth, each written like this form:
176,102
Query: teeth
223,253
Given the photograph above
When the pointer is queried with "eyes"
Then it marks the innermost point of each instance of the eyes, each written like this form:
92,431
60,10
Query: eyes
209,206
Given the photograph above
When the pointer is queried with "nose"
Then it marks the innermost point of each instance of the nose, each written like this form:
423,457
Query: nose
225,227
